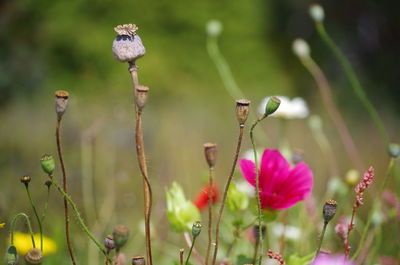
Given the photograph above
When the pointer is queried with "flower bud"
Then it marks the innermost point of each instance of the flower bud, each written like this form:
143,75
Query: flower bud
25,179
61,102
48,183
329,210
109,242
210,151
394,150
141,96
300,48
242,110
11,256
352,177
34,257
272,105
256,232
196,229
214,28
127,46
317,13
138,260
120,236
48,164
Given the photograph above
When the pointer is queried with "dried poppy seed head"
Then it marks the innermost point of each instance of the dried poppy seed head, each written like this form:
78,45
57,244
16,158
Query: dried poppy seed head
141,96
138,260
61,102
242,110
120,236
210,152
127,46
109,242
196,229
329,210
34,257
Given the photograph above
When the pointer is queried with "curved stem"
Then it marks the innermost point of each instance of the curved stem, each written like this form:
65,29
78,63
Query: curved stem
210,215
14,220
147,191
36,215
355,83
190,250
374,207
321,238
60,156
228,182
78,215
260,240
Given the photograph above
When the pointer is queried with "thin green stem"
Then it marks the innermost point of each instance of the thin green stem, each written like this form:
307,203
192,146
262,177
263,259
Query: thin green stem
190,250
36,215
14,220
78,216
354,82
321,238
210,213
374,208
260,245
46,205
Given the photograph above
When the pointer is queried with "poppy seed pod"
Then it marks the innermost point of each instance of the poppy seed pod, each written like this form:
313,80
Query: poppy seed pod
120,236
109,242
329,210
61,102
34,257
242,110
272,105
138,260
210,151
127,46
141,96
196,229
48,164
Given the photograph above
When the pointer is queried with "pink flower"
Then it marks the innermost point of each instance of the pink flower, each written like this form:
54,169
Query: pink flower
280,187
327,259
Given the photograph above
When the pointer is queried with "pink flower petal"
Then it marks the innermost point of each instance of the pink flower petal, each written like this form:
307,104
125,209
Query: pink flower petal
299,183
249,171
274,170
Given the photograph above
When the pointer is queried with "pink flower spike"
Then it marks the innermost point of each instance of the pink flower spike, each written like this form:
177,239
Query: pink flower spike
280,186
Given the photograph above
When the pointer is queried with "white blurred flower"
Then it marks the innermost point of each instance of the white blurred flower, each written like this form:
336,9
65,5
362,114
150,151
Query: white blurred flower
291,232
295,108
245,187
249,154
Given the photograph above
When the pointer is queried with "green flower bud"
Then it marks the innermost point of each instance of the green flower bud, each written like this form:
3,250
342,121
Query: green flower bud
181,213
352,177
11,256
196,229
394,150
48,164
272,105
25,179
120,236
329,210
236,200
214,28
317,13
34,257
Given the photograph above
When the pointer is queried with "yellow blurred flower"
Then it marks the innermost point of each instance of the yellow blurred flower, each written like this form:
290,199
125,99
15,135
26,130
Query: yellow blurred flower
2,225
23,243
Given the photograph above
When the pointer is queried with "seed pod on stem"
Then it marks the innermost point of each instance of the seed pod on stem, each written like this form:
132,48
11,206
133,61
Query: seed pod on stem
120,236
48,164
138,260
242,110
34,257
61,102
141,96
210,151
329,210
127,46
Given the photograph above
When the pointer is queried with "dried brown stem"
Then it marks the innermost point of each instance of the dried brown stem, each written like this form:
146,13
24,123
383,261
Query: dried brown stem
228,182
327,98
350,227
60,156
210,215
181,251
147,192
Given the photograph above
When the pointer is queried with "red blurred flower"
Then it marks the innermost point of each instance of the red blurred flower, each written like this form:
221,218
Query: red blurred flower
201,200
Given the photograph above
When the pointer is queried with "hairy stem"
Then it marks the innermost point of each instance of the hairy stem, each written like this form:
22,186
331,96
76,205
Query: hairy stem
210,215
78,215
36,215
147,192
60,156
228,182
260,240
14,220
327,98
354,82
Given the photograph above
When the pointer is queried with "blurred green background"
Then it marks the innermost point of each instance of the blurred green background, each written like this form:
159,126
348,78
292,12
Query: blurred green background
66,45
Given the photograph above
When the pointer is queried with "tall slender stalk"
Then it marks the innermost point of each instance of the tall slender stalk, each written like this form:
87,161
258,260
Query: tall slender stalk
333,112
46,205
210,212
14,220
36,215
260,245
190,250
147,192
354,82
228,182
65,189
321,239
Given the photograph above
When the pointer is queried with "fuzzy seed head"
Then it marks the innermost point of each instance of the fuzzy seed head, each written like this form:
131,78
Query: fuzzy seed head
214,28
317,13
